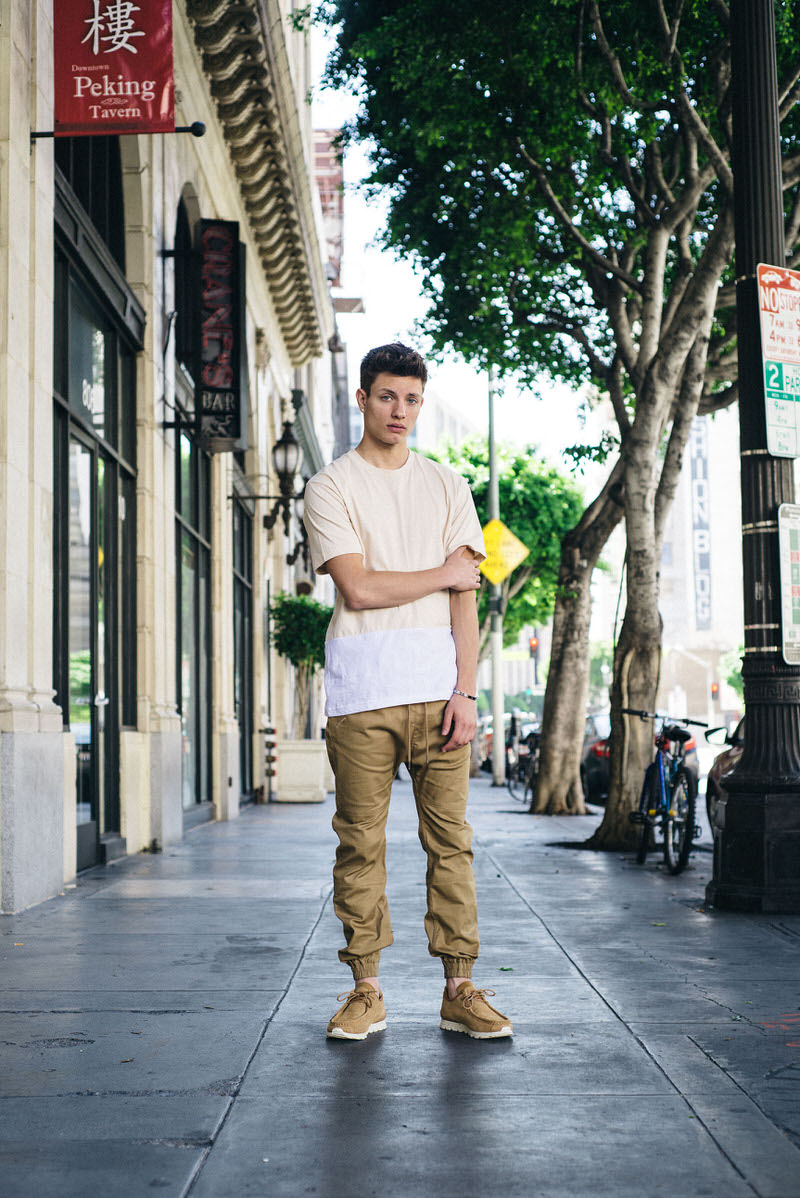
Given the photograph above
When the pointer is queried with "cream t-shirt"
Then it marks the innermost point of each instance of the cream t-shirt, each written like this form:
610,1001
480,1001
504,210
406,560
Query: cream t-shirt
407,519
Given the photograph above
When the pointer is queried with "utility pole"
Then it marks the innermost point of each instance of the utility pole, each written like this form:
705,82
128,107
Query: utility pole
496,609
757,845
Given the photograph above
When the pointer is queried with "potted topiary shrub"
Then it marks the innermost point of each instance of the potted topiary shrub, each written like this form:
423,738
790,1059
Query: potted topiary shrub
299,624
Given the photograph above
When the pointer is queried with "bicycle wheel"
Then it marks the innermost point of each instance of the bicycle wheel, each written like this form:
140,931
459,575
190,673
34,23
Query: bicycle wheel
649,802
679,825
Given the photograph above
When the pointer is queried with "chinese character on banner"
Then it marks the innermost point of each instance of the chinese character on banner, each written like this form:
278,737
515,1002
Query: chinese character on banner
113,67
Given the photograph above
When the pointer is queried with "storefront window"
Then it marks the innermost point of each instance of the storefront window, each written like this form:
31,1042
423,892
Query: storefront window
194,619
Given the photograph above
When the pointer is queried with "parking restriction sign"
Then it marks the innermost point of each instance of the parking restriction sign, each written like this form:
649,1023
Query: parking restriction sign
789,541
779,310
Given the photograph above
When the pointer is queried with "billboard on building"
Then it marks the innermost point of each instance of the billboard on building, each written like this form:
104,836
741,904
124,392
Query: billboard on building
113,67
701,523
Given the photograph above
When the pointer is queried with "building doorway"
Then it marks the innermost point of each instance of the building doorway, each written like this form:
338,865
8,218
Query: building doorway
98,327
243,638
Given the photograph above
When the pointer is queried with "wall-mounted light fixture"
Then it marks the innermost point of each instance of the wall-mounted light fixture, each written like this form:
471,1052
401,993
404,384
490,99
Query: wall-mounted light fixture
286,453
285,458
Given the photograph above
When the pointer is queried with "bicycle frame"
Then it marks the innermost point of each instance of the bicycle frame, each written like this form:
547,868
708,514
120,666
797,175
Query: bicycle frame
667,762
666,801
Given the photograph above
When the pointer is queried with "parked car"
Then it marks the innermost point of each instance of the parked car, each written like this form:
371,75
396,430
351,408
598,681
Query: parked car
723,764
594,759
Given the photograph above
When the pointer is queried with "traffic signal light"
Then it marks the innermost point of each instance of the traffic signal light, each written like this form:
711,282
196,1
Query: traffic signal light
533,645
714,691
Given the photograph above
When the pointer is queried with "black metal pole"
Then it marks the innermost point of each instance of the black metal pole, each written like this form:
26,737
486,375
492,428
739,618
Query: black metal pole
757,840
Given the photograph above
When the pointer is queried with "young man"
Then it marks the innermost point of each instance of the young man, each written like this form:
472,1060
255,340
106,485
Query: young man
400,537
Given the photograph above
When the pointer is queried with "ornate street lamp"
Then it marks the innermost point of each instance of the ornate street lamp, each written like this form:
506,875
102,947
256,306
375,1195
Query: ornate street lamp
285,458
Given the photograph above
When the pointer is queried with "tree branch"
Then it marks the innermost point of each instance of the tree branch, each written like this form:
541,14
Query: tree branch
685,408
717,400
691,197
612,61
789,93
793,225
560,212
703,135
791,171
623,334
669,29
617,397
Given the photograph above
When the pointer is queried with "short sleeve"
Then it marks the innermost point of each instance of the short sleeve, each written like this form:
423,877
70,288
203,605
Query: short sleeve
328,524
463,526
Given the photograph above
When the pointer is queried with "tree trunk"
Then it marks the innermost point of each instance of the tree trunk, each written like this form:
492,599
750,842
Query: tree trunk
558,789
637,658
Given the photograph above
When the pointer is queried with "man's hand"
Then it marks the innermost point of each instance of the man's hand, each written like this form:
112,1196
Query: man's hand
459,723
461,571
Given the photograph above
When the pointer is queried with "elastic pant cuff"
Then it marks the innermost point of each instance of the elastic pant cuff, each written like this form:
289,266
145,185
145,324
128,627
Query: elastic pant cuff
365,967
458,967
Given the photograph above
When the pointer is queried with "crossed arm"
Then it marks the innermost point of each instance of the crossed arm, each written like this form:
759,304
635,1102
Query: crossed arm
361,589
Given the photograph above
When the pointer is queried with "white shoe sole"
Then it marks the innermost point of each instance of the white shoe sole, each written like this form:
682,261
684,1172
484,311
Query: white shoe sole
447,1025
339,1034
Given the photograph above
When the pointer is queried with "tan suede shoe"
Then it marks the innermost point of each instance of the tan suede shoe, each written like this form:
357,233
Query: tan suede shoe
470,1012
363,1012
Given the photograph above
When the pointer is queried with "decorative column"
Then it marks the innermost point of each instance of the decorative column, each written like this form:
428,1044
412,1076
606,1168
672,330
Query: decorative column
757,845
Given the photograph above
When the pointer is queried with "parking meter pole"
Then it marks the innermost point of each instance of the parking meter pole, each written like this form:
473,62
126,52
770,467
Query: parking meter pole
496,627
757,837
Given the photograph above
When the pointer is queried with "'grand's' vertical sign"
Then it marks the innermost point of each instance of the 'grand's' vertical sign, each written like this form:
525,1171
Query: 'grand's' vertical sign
113,67
220,398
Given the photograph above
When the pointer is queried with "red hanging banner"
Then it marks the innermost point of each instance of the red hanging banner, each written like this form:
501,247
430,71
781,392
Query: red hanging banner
113,67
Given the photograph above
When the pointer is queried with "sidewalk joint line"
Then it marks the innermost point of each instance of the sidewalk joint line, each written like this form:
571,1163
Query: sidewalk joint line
213,1139
619,1018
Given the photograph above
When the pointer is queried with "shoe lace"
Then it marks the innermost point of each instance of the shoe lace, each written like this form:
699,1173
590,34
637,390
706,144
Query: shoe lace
473,994
367,996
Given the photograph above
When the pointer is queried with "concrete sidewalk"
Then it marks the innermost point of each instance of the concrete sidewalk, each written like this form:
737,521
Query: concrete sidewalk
162,1028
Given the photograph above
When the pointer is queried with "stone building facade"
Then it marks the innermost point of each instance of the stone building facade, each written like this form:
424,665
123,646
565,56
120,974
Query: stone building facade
134,563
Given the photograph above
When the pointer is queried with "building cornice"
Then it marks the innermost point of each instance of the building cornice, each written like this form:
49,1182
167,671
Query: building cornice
246,61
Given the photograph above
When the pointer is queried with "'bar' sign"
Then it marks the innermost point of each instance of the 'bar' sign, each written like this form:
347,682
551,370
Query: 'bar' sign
221,380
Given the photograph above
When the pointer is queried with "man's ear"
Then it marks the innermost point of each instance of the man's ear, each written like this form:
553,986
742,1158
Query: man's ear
361,398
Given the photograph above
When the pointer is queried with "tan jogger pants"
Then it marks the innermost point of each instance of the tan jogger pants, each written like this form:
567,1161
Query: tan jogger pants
365,751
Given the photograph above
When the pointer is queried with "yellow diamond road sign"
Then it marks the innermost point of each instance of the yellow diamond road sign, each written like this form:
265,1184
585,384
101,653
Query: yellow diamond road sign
504,552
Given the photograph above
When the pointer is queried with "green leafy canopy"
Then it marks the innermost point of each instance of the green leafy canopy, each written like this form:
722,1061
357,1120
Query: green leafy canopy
529,152
539,505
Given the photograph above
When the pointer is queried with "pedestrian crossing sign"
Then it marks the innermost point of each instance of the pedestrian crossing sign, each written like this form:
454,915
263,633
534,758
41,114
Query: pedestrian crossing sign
504,552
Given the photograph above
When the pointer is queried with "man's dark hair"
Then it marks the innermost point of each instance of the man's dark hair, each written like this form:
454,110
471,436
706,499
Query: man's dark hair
392,359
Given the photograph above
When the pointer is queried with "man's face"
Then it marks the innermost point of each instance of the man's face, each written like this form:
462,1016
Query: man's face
391,408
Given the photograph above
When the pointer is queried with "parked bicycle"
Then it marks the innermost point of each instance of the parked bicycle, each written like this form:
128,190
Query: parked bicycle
667,801
522,767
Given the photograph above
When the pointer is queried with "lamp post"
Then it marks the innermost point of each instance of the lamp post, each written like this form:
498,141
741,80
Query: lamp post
757,838
496,609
